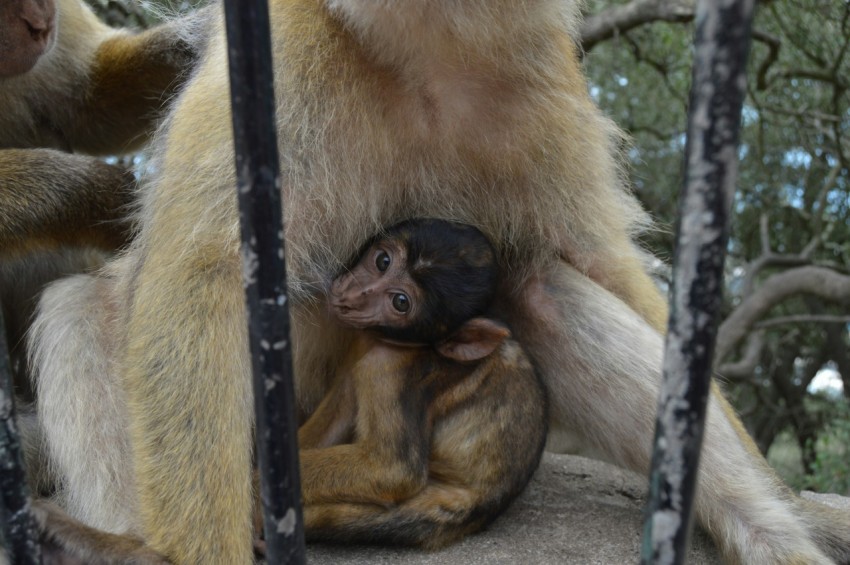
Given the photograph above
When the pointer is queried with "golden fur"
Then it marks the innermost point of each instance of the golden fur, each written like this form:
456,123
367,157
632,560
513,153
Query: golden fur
410,447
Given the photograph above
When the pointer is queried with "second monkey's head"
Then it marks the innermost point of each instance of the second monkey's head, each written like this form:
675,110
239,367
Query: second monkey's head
418,281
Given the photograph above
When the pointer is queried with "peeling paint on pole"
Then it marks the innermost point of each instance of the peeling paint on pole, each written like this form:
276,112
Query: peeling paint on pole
717,93
287,525
264,276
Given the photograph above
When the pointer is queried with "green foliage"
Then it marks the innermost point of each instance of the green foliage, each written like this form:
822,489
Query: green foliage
829,472
830,468
641,80
784,457
794,180
794,121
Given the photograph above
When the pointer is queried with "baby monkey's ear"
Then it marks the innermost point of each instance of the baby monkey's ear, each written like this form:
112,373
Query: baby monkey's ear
474,340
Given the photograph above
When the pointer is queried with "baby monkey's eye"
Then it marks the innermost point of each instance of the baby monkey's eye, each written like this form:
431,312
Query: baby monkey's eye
401,303
382,261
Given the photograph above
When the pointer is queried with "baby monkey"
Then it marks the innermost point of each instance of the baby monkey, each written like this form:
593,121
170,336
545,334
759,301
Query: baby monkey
418,282
437,420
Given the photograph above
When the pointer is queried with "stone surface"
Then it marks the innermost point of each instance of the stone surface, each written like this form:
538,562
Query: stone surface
834,500
575,511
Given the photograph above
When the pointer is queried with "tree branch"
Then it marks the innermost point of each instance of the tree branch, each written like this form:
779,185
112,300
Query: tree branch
773,44
770,259
621,19
806,114
802,319
818,281
743,368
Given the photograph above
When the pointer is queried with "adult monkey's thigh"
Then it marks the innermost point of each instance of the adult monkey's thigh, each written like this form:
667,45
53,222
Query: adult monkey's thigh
601,364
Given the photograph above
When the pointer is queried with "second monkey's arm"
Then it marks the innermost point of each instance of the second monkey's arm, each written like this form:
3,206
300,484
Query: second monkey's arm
49,198
131,79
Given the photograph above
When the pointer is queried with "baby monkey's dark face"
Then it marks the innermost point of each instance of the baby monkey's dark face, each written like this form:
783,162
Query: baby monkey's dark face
378,291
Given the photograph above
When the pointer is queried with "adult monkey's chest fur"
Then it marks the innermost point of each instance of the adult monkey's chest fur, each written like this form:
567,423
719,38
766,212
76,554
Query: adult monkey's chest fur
376,146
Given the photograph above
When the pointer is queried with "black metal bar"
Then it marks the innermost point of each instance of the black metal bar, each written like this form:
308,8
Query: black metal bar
717,94
19,533
260,209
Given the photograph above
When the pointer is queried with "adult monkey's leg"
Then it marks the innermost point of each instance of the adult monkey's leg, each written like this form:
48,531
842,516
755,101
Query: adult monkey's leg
601,363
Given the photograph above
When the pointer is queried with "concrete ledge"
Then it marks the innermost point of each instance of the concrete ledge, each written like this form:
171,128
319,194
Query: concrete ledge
575,511
834,500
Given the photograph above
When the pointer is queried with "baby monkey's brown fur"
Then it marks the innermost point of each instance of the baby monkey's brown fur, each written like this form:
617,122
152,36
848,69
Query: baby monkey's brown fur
438,447
436,419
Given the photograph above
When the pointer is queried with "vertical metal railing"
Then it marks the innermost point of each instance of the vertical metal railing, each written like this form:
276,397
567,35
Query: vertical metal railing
19,536
711,154
260,209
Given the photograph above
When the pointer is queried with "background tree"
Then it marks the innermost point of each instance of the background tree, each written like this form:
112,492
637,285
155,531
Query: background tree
788,288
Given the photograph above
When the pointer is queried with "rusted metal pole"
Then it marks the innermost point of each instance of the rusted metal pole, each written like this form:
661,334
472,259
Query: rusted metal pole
711,160
260,209
19,534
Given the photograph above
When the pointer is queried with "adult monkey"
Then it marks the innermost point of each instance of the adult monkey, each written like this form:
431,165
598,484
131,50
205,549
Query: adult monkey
68,82
471,111
59,214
